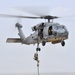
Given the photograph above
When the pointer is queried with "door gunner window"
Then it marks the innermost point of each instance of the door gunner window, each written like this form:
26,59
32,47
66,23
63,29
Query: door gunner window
50,30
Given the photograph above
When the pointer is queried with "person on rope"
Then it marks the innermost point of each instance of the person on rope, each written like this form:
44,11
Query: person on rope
36,57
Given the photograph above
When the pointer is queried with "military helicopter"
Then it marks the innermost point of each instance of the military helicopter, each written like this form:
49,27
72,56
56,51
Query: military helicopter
43,32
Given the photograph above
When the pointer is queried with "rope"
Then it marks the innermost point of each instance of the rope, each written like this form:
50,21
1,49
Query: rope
38,68
36,59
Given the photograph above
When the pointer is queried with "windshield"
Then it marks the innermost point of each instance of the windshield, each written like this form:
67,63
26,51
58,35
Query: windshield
59,27
56,27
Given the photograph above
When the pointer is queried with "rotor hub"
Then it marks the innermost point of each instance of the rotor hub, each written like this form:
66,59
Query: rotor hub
49,18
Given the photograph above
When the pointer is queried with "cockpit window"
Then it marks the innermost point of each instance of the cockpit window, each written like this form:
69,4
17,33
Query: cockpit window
59,27
63,27
56,27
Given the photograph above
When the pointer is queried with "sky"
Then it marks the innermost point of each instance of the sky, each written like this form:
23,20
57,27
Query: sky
18,58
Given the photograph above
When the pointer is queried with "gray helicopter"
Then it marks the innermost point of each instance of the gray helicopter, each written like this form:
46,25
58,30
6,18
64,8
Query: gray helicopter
43,32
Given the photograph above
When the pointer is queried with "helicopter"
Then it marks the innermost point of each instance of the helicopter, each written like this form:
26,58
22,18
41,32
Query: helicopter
43,32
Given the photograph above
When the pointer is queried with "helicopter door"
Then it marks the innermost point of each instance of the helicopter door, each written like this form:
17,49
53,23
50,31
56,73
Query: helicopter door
40,30
41,33
50,30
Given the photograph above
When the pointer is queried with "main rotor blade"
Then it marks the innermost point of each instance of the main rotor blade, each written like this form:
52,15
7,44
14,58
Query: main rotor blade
31,17
17,16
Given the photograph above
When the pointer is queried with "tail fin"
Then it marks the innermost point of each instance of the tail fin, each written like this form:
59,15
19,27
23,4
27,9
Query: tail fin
13,40
19,26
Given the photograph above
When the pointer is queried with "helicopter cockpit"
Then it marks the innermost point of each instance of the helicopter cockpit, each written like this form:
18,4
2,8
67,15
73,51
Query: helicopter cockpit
57,30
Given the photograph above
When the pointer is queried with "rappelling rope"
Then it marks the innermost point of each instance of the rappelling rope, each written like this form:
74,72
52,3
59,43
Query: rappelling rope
36,59
37,63
38,68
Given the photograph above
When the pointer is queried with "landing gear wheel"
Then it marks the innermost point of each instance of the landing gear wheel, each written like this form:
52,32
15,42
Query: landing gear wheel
38,49
62,43
43,43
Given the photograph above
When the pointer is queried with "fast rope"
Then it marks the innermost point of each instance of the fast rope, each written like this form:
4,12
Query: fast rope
37,60
38,68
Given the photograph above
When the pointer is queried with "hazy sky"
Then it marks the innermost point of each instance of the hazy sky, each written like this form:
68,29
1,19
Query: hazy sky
17,58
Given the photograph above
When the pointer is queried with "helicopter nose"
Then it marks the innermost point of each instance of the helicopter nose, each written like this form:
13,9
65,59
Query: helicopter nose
64,32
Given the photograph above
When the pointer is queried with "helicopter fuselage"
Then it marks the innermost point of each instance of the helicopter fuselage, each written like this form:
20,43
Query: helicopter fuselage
51,32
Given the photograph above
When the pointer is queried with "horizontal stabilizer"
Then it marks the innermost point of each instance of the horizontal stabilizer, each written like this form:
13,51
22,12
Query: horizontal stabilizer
14,40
